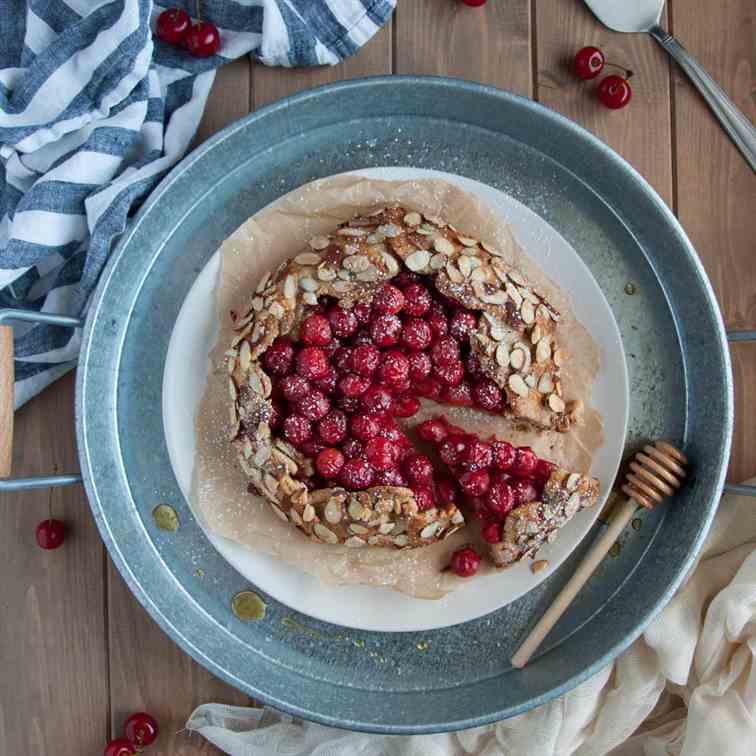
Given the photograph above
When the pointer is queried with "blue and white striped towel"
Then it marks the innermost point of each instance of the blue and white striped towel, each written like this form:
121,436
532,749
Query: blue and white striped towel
94,111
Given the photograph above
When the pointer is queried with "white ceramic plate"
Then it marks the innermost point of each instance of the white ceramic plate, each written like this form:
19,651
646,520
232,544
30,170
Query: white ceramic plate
382,609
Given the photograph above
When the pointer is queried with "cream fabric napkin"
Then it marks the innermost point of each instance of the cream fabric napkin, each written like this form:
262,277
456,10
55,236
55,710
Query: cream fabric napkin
686,687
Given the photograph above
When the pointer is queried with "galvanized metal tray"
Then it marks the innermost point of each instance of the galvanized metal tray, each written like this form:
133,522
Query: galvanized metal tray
680,389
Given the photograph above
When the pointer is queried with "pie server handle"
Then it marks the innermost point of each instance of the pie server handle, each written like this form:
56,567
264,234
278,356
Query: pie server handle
733,121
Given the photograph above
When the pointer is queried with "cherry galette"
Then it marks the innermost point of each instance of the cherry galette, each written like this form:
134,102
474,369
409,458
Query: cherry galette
335,348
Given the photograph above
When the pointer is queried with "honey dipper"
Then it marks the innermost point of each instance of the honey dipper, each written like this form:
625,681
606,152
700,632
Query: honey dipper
656,472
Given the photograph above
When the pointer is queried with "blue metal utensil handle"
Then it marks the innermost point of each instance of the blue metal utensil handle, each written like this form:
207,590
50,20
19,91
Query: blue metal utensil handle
50,481
6,401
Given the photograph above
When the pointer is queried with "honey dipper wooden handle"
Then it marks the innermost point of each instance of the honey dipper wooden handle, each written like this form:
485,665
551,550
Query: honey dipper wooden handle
6,400
621,517
655,472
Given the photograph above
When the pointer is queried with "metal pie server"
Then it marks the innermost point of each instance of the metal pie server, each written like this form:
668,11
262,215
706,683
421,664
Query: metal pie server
643,16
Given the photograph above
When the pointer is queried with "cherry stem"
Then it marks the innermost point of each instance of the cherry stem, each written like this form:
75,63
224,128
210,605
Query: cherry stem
628,73
199,14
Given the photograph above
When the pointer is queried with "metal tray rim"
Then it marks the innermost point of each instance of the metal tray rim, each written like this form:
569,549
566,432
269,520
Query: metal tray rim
81,430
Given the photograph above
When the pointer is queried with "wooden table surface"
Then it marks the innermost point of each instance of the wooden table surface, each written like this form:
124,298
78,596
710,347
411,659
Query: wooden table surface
77,653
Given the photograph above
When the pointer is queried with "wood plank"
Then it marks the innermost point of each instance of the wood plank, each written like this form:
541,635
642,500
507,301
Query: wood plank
228,101
489,44
54,679
743,459
640,132
148,671
716,191
270,84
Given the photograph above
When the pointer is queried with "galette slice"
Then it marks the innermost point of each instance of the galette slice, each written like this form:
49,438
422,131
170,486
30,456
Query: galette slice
521,500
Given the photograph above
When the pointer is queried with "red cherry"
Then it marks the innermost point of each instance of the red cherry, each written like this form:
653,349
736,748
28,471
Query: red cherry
500,499
589,62
475,482
402,387
278,357
141,729
394,367
465,562
419,469
50,534
423,497
417,300
388,299
477,455
356,475
343,322
312,363
362,311
614,91
328,384
406,405
119,747
430,388
391,431
491,532
461,394
352,448
312,447
172,26
487,395
364,426
382,453
405,278
420,365
376,399
525,462
447,490
203,39
329,463
297,429
437,320
294,387
416,334
365,359
462,324
451,373
333,427
444,351
316,331
451,448
385,330
434,430
504,455
543,471
314,405
353,385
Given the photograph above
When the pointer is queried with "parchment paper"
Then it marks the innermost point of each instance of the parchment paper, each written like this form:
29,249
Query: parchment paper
219,489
